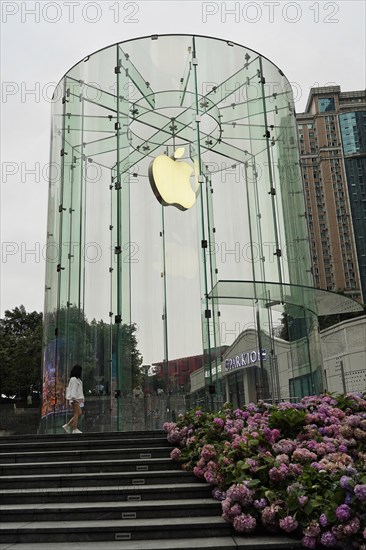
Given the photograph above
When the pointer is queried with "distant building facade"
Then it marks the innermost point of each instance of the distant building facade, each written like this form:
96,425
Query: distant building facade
344,356
242,375
332,139
176,374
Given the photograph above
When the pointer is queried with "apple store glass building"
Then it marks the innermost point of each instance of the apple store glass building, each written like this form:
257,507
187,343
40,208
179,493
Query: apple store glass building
176,221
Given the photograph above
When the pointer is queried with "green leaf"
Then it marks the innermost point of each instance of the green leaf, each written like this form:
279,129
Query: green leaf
293,504
254,483
308,508
270,496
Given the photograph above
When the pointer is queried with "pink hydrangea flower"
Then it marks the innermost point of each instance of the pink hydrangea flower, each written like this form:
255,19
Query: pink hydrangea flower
303,455
244,523
198,472
208,452
313,529
218,422
351,527
289,524
175,454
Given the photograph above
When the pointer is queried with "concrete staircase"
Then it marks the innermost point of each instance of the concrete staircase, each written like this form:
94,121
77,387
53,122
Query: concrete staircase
108,491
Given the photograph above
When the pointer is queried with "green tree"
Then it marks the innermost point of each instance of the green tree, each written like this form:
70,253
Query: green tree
70,338
327,321
282,331
125,340
20,352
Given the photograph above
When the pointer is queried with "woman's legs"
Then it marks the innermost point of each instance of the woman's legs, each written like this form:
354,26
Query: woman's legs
77,413
73,422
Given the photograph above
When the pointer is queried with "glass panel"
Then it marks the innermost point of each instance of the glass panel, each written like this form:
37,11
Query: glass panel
325,301
326,104
156,275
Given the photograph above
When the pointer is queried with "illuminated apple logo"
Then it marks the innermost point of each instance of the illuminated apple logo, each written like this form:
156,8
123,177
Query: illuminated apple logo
170,181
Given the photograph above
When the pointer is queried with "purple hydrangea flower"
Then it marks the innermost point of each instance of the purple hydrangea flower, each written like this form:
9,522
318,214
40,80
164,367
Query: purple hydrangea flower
348,498
309,542
360,492
328,539
261,503
344,482
343,512
218,494
323,520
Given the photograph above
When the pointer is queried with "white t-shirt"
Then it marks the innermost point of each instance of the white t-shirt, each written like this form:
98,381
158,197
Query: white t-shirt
74,390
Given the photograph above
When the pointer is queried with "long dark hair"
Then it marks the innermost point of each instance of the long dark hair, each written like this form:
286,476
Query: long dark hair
76,371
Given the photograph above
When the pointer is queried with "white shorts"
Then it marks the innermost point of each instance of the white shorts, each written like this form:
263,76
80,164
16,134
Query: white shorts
81,403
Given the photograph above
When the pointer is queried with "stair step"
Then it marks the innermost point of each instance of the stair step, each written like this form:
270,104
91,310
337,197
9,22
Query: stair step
91,511
138,435
91,466
106,494
96,479
221,543
85,454
93,479
119,530
235,542
70,441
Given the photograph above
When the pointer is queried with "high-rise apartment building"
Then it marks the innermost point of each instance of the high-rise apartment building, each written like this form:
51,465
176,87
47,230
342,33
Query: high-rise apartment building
332,138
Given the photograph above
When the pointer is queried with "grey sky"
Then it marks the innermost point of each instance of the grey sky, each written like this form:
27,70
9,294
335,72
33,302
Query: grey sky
314,43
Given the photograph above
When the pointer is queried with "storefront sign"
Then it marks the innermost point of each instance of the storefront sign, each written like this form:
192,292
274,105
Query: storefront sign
245,359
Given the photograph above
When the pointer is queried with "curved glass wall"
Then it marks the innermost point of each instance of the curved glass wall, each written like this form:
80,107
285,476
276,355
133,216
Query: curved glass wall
174,167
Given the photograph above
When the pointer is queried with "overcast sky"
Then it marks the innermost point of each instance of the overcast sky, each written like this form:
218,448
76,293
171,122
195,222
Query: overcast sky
314,43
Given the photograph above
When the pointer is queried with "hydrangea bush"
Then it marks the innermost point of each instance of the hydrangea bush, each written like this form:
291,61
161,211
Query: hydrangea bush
298,469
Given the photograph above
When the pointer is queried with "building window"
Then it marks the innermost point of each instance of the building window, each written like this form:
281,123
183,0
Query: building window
326,104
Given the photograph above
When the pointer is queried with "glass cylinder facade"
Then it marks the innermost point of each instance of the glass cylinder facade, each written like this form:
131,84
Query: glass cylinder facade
175,173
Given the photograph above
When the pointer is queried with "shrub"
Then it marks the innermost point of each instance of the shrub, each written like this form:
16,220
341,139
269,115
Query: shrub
298,469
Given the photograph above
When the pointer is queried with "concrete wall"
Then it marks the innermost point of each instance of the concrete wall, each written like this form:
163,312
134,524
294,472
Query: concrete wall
344,356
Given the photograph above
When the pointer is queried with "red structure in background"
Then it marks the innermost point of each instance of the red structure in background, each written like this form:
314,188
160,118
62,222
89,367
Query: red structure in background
179,370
